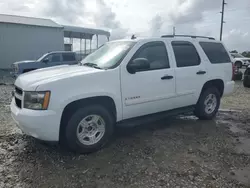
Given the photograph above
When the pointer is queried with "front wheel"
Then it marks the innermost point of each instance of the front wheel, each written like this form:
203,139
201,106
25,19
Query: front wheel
89,129
208,104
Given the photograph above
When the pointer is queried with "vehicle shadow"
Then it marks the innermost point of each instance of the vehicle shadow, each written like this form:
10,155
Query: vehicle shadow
44,165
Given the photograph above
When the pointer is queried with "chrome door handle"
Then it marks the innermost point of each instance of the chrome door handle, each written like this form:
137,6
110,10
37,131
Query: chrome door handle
167,77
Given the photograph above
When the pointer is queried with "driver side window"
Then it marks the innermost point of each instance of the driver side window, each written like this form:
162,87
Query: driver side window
155,53
53,58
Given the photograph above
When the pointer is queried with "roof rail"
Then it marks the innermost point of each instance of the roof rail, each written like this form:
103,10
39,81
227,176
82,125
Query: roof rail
192,36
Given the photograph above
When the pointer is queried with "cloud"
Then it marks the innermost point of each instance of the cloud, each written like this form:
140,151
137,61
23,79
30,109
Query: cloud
26,7
156,25
75,12
186,16
237,39
106,18
145,17
190,11
66,11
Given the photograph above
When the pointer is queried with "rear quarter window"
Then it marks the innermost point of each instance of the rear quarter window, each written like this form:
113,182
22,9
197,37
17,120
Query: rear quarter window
215,52
68,57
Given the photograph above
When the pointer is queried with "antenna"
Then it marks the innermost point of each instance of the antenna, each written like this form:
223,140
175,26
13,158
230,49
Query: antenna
133,37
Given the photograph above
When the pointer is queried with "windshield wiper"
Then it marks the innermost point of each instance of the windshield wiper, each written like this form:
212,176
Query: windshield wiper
92,65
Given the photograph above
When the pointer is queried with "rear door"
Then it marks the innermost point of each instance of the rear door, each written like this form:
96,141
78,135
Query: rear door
54,59
190,72
69,59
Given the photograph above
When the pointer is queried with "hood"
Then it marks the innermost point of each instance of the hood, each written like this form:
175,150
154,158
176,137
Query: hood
31,80
26,61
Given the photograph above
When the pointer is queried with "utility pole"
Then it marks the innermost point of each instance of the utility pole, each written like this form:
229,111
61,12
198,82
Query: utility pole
222,18
173,30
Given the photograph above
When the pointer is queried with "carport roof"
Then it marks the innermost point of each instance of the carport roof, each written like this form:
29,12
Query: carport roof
83,32
23,20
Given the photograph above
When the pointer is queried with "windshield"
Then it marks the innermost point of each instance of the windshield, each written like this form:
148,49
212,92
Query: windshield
109,54
237,55
41,58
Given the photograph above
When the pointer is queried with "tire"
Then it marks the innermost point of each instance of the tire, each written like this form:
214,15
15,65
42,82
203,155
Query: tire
200,109
238,76
238,64
72,137
246,82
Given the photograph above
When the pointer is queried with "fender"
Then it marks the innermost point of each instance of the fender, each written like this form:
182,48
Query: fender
63,103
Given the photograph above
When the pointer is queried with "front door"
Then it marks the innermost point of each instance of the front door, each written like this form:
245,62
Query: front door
151,90
53,59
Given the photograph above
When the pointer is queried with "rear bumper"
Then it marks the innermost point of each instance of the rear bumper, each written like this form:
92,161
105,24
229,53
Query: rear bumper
228,88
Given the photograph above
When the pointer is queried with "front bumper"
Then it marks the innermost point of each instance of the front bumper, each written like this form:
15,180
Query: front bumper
228,88
40,124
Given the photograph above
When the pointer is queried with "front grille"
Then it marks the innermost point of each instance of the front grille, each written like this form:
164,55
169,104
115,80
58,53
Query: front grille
18,102
18,96
18,91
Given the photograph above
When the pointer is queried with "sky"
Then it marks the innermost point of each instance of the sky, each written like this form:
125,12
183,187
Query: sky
145,18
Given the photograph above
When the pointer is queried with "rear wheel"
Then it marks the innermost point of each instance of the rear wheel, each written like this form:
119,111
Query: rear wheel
89,129
208,104
246,82
238,75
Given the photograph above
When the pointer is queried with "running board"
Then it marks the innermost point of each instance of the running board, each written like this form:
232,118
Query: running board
154,117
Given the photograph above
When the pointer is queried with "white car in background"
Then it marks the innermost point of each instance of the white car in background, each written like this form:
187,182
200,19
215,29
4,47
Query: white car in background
240,60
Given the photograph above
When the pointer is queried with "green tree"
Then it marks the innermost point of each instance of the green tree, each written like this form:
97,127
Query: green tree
246,54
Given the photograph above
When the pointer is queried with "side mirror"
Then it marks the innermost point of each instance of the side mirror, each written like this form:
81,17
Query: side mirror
46,60
138,64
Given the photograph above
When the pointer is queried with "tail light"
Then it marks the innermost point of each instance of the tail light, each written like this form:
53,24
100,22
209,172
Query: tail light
233,70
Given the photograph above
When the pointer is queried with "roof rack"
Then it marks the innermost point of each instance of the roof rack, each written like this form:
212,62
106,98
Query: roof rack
192,36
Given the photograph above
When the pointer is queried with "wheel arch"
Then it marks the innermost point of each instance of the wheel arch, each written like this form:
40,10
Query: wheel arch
217,83
70,108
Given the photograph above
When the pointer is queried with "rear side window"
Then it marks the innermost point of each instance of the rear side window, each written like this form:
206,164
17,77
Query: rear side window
215,52
68,57
185,54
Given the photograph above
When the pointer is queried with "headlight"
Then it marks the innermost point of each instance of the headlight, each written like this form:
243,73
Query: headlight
36,100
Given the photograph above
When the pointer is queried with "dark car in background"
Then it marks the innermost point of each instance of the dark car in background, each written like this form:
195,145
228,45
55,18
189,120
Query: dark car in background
246,79
47,60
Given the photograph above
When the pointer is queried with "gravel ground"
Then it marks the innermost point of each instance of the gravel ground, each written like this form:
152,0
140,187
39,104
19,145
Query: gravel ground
175,152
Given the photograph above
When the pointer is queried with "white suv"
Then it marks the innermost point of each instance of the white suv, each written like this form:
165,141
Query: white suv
123,82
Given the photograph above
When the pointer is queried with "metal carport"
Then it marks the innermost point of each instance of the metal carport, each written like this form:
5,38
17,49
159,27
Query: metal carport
84,33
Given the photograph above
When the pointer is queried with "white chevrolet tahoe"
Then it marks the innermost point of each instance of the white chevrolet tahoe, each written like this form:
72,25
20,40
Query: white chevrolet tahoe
123,82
